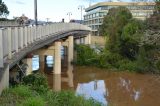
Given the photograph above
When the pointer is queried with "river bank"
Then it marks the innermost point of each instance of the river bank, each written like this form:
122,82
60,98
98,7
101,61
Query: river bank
34,92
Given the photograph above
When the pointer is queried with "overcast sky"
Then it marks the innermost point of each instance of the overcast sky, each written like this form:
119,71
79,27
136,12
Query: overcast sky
55,10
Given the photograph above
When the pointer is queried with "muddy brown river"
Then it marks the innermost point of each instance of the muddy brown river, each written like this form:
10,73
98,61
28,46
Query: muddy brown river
108,87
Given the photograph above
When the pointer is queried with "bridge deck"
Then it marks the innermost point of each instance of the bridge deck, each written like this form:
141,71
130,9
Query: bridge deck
17,42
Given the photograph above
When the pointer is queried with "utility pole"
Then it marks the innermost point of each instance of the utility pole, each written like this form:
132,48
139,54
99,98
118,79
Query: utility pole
81,7
35,11
69,14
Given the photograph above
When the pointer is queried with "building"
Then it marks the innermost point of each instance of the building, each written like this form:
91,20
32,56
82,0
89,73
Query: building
95,13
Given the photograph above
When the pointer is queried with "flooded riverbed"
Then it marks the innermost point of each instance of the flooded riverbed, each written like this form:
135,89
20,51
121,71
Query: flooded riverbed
110,88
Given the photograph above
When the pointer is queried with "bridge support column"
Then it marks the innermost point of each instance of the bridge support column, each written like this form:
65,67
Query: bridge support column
41,62
4,77
57,82
70,49
28,61
70,75
82,40
88,39
77,41
57,63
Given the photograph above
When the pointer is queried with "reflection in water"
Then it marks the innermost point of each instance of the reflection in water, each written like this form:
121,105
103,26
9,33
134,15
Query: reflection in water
49,61
35,62
136,95
126,85
94,89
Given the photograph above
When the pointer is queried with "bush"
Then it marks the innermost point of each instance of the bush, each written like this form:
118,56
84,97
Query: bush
128,65
37,82
85,55
158,65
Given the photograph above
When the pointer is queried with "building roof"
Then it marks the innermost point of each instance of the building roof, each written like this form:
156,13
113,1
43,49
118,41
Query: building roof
118,4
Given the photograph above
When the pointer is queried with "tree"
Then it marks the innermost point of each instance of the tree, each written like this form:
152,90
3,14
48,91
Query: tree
157,6
123,31
112,26
3,9
130,38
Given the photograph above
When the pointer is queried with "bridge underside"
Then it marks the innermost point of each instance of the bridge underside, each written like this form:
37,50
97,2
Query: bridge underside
39,44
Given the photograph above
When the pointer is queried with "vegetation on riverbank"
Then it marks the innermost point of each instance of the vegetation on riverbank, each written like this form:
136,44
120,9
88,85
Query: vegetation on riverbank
132,45
34,92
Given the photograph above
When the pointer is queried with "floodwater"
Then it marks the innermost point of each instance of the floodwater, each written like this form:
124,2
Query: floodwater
108,87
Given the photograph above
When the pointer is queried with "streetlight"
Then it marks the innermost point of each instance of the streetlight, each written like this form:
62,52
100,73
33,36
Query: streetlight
47,20
69,14
35,11
81,7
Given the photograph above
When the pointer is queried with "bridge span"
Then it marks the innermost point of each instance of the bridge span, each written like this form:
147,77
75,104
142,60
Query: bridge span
17,42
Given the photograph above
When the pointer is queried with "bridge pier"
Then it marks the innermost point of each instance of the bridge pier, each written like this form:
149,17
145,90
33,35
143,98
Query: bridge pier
70,75
41,62
28,61
84,40
57,82
70,49
88,39
77,41
57,55
4,77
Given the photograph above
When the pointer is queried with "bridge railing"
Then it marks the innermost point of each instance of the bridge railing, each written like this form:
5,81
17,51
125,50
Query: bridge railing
14,39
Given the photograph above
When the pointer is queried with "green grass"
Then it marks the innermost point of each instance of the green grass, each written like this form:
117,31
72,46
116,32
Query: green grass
33,101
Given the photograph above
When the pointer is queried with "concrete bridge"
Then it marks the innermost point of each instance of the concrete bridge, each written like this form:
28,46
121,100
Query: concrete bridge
17,42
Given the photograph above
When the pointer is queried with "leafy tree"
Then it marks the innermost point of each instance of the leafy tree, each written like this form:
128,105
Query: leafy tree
123,31
130,38
113,25
3,9
157,6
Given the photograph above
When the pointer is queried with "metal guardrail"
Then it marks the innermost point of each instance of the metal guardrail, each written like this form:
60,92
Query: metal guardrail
14,39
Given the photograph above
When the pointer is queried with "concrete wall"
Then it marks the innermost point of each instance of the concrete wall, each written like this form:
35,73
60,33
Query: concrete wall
8,23
4,78
100,40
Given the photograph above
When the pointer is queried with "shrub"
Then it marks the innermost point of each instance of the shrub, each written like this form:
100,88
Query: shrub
85,55
37,82
128,65
158,65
